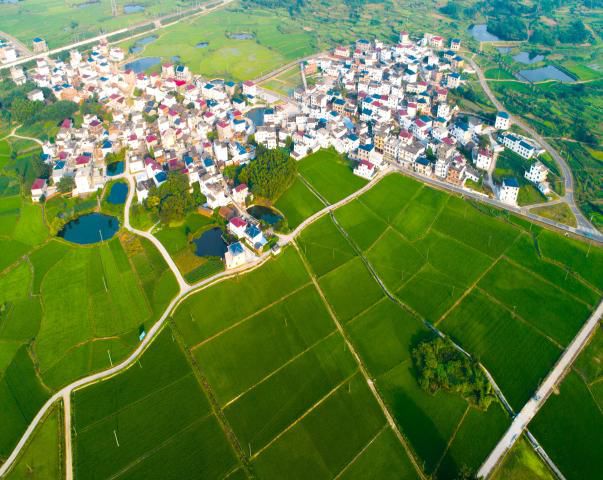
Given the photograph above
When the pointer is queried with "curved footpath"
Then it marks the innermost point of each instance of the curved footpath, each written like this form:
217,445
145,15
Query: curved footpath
583,223
185,291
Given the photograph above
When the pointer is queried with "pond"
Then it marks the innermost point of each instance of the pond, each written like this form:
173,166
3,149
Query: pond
142,64
504,50
527,58
240,36
265,214
176,58
481,33
256,115
202,45
90,228
210,244
133,8
115,168
140,44
118,194
544,73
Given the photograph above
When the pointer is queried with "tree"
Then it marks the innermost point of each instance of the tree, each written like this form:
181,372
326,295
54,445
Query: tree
440,366
270,174
115,157
66,184
172,200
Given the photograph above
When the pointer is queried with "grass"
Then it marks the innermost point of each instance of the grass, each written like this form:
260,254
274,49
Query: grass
298,203
540,304
313,448
276,41
522,462
111,418
360,293
21,396
415,220
202,315
361,224
324,246
516,355
42,456
59,23
235,361
330,175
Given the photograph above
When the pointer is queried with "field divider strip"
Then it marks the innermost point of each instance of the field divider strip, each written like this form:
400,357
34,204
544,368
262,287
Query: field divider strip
139,400
547,281
519,317
361,451
306,413
159,446
213,402
452,437
249,317
281,367
364,371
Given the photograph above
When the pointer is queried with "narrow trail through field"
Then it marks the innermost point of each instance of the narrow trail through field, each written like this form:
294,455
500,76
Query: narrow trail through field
362,368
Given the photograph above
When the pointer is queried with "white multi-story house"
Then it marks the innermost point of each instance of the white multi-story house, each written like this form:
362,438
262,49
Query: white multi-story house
365,169
483,159
518,145
503,121
508,191
537,172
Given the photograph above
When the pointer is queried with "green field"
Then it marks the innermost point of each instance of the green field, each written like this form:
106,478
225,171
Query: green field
41,457
330,175
60,23
66,310
275,41
581,393
298,203
178,241
522,462
152,419
511,295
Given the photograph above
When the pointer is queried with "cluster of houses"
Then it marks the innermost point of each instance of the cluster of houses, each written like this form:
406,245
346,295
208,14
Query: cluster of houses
9,52
376,103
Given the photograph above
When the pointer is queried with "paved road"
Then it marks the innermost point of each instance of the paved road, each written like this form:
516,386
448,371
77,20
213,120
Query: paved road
157,22
185,291
530,409
589,234
583,222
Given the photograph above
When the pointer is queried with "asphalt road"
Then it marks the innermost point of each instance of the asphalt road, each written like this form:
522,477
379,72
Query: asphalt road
531,408
583,223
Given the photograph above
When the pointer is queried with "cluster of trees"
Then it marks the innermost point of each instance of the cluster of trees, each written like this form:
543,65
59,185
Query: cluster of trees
270,174
173,199
440,366
115,157
16,107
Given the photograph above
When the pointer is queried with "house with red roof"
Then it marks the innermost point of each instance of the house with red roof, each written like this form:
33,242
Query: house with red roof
39,189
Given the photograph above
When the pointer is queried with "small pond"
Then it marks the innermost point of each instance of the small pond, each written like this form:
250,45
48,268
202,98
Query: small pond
481,33
118,193
504,50
133,8
140,44
527,59
240,36
115,168
210,244
265,214
202,45
176,58
142,64
256,115
90,228
544,73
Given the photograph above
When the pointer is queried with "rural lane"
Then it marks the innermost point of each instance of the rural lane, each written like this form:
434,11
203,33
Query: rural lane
568,178
185,291
533,405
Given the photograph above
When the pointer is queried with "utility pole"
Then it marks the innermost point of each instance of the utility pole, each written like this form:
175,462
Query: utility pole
114,8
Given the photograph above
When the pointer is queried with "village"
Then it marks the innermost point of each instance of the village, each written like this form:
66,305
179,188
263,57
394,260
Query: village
380,105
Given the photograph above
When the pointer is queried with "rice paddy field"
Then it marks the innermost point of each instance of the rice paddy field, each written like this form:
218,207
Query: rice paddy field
237,44
153,419
573,442
263,374
61,23
65,310
42,456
